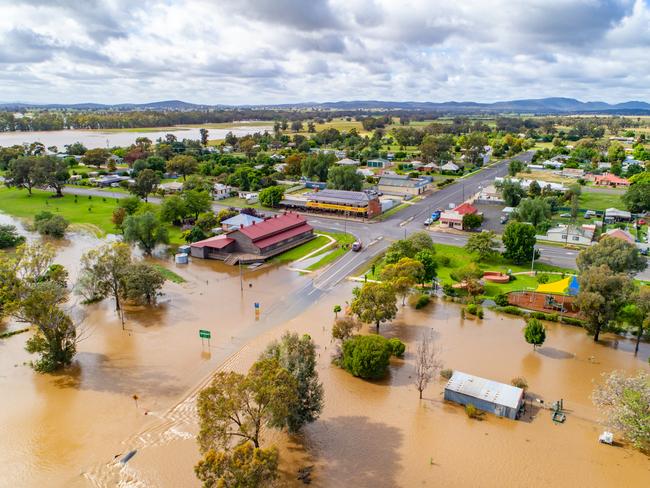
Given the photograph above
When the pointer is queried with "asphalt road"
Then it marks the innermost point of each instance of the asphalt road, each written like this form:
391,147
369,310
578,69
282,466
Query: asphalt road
377,236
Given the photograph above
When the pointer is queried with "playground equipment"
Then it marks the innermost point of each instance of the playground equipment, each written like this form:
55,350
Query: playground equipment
553,304
556,412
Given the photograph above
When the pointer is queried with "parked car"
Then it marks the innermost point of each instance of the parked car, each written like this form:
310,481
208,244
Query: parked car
436,215
565,215
429,221
589,214
356,246
503,219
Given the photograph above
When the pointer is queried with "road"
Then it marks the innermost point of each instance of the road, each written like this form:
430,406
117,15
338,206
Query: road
377,236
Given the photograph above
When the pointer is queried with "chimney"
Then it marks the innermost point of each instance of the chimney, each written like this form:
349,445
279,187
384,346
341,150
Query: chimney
253,222
241,226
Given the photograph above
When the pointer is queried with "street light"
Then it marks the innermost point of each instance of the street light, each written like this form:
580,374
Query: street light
532,264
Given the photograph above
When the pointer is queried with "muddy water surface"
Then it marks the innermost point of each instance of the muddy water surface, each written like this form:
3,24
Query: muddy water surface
378,434
54,429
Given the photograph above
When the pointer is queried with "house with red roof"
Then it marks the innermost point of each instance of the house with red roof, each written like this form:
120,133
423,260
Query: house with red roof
620,234
257,241
454,218
609,179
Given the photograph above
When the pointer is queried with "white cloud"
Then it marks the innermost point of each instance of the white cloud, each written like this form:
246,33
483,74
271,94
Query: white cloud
260,51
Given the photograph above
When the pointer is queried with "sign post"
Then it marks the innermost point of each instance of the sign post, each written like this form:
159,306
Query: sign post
205,334
257,311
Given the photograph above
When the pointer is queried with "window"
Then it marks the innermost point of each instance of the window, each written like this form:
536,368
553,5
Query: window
576,238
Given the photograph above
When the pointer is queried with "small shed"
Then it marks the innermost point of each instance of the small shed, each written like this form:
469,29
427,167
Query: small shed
487,395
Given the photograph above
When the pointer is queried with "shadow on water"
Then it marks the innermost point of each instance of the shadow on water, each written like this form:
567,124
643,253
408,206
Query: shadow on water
363,452
97,372
553,353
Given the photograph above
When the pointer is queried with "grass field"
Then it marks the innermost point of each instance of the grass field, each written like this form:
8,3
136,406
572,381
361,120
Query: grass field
169,274
92,214
343,241
300,251
458,258
600,201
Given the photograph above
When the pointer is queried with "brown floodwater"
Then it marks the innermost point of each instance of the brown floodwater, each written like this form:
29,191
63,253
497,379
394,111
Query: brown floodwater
71,429
55,430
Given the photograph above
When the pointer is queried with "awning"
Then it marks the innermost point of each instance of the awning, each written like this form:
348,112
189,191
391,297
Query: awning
566,286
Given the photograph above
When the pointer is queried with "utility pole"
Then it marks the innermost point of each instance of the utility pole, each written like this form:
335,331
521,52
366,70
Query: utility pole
241,277
532,264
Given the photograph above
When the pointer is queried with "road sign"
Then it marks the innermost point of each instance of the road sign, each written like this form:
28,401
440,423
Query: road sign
204,334
257,305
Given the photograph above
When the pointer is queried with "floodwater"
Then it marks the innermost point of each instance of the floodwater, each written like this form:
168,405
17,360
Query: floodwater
71,429
55,429
98,138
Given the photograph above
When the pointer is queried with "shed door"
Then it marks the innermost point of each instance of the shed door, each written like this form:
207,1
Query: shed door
500,410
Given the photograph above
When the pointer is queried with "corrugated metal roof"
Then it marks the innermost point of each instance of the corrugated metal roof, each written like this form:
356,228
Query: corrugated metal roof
272,226
488,390
402,181
241,219
218,242
288,234
339,196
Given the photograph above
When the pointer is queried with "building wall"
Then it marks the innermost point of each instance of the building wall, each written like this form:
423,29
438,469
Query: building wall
401,190
557,237
499,410
374,207
299,239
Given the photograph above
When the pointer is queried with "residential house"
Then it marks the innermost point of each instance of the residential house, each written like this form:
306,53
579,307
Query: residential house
256,242
365,172
609,179
570,234
605,166
417,165
450,167
221,191
454,218
573,173
433,167
403,185
171,187
348,162
379,163
621,234
240,220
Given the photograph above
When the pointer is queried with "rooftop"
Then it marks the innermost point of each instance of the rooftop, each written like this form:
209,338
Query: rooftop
241,219
340,196
484,389
274,225
466,208
217,242
403,181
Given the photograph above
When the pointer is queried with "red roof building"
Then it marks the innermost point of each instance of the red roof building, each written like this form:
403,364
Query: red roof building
454,218
258,241
620,234
609,179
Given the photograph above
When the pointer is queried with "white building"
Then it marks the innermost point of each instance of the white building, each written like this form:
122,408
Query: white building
221,191
570,234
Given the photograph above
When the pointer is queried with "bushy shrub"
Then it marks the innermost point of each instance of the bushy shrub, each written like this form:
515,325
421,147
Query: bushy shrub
473,412
511,309
443,261
49,224
543,278
472,309
519,382
501,300
479,314
366,356
419,300
572,321
446,373
397,347
449,290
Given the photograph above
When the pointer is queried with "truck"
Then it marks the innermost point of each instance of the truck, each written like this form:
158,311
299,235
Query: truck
434,217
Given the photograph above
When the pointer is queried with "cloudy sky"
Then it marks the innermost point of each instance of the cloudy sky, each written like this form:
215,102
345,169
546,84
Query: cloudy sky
275,51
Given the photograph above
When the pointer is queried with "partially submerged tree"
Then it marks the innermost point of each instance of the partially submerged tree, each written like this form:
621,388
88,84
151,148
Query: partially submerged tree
534,333
235,408
245,466
403,275
625,403
374,303
427,361
344,328
142,283
297,355
103,273
146,230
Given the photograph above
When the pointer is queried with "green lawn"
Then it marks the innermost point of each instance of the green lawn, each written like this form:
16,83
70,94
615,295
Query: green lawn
458,258
169,274
344,241
92,214
239,203
300,251
600,201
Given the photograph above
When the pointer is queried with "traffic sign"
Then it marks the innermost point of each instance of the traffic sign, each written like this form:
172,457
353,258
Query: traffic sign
204,334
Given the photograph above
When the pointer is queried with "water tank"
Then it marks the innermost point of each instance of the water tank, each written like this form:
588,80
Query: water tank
181,258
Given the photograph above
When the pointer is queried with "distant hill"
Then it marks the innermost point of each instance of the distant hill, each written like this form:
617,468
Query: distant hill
554,105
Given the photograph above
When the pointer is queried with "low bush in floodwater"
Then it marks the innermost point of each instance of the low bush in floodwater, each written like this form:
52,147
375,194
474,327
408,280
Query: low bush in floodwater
397,347
501,300
519,382
446,373
368,356
473,412
419,300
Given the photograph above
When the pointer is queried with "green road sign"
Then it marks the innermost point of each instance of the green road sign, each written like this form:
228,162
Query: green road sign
204,334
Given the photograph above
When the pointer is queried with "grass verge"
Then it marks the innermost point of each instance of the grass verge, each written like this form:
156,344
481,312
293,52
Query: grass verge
169,274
